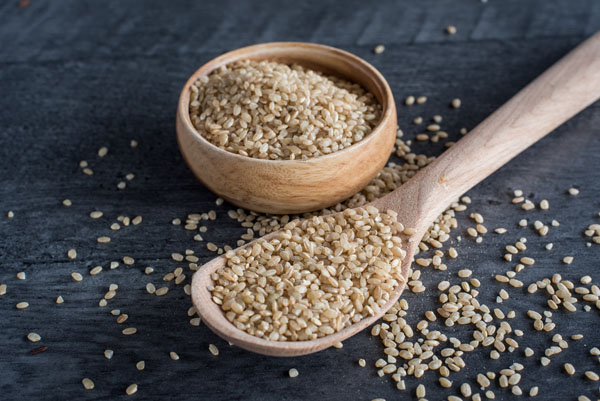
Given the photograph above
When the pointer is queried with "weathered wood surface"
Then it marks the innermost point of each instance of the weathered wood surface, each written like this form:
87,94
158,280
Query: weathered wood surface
79,75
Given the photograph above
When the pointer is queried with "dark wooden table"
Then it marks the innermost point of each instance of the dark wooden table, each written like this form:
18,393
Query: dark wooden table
78,75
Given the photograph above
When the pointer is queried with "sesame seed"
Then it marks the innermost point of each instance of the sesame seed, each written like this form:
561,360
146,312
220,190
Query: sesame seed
87,384
129,331
451,30
150,288
96,270
421,99
293,372
3,289
133,143
174,356
568,260
108,353
141,365
213,349
67,202
72,254
21,275
527,261
409,101
573,191
136,220
22,305
60,300
362,363
379,49
569,369
128,260
76,276
34,337
593,376
132,389
96,214
456,103
10,214
161,291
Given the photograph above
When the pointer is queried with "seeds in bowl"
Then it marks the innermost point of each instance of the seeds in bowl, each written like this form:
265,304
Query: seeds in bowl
317,277
270,110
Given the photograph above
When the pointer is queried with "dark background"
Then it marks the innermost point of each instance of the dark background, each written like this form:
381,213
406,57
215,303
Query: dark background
78,75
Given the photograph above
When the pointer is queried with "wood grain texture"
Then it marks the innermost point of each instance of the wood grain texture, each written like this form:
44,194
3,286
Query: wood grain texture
76,76
292,186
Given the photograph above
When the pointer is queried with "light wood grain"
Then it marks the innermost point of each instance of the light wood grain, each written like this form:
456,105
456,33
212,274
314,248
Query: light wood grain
292,186
568,87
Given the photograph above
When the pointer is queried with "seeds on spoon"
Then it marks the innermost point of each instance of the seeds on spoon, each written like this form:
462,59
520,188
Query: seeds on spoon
338,269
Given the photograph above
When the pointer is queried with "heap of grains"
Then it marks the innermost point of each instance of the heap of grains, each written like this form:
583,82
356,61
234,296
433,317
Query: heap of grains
269,110
315,278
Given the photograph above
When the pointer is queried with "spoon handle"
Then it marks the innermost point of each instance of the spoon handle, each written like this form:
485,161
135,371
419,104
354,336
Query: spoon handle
566,88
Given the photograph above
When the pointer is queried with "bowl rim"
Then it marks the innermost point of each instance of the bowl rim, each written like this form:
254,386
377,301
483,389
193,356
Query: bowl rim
388,103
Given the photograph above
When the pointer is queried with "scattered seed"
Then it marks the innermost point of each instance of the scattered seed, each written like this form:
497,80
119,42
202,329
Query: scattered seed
569,369
213,349
96,270
293,372
34,337
87,384
72,253
161,291
132,389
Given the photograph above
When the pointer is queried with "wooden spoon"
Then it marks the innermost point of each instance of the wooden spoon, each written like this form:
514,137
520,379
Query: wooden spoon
566,88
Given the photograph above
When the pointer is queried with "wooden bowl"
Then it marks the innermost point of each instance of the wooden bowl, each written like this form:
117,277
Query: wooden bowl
291,186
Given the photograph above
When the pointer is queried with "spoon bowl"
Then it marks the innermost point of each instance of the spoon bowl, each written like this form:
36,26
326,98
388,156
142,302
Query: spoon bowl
213,316
562,91
291,186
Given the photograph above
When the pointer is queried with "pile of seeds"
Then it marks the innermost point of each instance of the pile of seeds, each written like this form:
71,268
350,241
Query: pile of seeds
318,276
269,110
